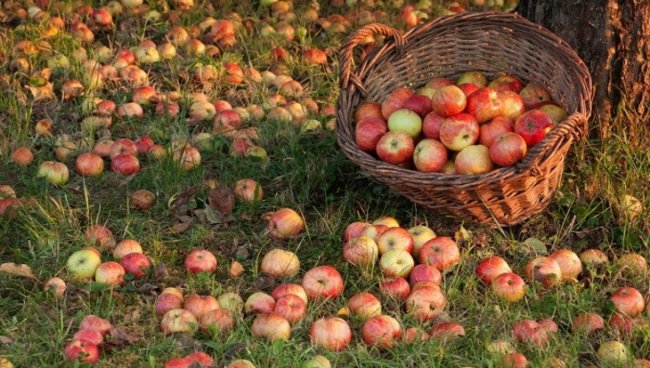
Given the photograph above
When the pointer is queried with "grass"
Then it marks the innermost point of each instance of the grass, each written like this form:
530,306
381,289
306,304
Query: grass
306,172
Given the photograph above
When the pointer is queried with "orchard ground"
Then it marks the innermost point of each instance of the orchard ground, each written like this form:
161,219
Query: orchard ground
304,171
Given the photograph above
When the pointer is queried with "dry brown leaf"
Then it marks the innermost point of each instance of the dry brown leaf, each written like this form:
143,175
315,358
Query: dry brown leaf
236,269
180,199
6,340
45,92
121,337
161,272
181,227
221,199
17,270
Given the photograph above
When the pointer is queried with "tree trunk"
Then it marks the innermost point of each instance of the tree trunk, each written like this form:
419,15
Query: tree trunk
613,38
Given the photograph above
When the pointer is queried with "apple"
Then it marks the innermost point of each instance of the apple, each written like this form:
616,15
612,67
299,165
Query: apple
259,302
202,110
448,101
533,125
248,190
130,110
197,359
499,347
395,147
612,354
354,230
549,325
103,148
395,101
55,285
200,260
419,104
473,160
272,327
144,144
291,307
534,96
425,303
187,157
83,263
569,262
126,246
22,156
447,330
484,104
54,172
89,164
587,323
44,127
422,273
386,221
490,131
593,257
507,149
421,234
430,156
545,270
364,305
125,164
395,238
368,132
414,334
240,363
231,302
642,363
531,332
318,361
459,131
136,264
381,331
512,106
289,289
82,351
632,264
323,282
89,336
280,263
628,301
489,268
330,333
407,121
166,302
512,360
178,320
555,112
396,263
110,273
438,82
431,125
285,223
441,252
506,82
361,251
509,287
217,321
92,322
622,325
474,77
397,288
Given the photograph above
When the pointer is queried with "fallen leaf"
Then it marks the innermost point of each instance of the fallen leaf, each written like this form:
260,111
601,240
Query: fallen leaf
233,351
534,245
264,283
236,269
17,270
189,343
181,227
221,199
161,272
178,200
6,340
45,92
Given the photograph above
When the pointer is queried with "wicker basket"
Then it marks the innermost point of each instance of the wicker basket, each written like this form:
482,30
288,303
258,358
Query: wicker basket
492,43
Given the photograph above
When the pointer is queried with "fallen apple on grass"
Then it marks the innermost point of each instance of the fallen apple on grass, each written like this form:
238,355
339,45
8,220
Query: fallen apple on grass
330,333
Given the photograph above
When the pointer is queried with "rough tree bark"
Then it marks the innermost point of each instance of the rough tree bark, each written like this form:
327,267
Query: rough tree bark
613,38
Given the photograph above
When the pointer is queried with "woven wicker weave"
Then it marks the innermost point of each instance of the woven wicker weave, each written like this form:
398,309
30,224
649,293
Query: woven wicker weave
492,43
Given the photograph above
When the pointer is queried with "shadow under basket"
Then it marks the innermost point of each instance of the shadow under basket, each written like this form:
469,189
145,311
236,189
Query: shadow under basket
492,43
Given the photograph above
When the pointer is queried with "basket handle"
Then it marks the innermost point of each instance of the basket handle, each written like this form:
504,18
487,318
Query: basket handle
346,57
575,127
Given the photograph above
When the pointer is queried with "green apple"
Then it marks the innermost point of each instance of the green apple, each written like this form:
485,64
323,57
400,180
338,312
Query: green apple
319,361
83,263
54,172
405,120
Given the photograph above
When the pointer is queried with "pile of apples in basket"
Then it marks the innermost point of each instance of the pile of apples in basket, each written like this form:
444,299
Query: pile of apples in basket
469,127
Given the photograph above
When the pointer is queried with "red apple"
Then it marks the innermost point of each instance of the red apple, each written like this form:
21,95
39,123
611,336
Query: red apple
291,307
248,190
512,360
489,268
425,303
396,263
331,333
374,231
507,149
549,325
364,305
441,252
361,251
468,88
628,301
354,230
89,164
474,77
280,263
570,264
459,131
395,238
218,320
490,131
397,288
144,144
512,106
130,110
125,164
506,82
368,132
414,334
200,260
126,246
473,160
447,330
286,289
534,96
395,101
484,104
381,331
430,156
423,272
285,223
407,121
55,285
110,273
103,148
419,104
545,270
431,125
94,323
587,323
83,351
199,305
259,302
448,101
166,302
509,287
622,325
531,332
323,282
395,147
136,264
533,126
272,327
178,320
89,336
22,156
